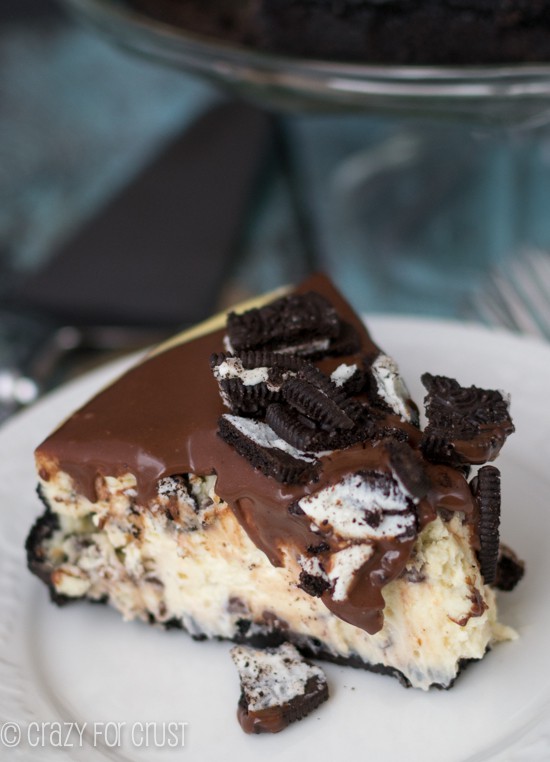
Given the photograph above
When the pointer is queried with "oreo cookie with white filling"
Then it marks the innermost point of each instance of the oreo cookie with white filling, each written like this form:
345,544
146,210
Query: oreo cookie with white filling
278,687
260,445
303,322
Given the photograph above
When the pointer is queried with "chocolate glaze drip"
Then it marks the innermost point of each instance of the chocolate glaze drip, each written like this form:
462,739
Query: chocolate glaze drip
161,419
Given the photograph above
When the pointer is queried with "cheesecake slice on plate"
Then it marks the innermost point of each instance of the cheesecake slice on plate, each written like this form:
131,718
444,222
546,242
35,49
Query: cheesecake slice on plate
264,478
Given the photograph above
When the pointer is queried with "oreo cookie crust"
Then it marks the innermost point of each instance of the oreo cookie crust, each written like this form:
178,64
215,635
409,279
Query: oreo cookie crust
38,561
313,515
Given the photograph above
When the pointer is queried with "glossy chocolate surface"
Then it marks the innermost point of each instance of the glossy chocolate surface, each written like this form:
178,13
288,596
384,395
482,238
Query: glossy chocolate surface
161,419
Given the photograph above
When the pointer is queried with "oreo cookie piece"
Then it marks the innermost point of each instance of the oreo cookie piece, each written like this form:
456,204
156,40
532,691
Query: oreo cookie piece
314,402
408,469
303,323
260,445
263,358
365,506
467,425
296,429
315,414
510,569
437,446
246,399
388,390
250,382
486,489
351,379
313,584
278,687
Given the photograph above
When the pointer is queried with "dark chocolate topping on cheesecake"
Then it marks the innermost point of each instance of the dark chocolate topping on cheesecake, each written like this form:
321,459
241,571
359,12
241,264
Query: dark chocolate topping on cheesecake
162,418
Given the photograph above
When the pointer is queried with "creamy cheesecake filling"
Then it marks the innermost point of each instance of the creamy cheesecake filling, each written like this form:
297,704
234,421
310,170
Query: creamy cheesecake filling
187,559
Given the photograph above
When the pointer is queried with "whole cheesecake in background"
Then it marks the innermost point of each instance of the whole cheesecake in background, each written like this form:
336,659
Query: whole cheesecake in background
376,31
264,478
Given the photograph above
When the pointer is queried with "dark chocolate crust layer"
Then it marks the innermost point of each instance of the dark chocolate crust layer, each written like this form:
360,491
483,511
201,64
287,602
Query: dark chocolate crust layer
37,560
377,31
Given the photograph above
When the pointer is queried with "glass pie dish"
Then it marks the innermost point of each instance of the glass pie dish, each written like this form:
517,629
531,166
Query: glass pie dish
495,92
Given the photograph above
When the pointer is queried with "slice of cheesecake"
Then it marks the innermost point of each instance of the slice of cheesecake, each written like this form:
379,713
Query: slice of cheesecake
263,478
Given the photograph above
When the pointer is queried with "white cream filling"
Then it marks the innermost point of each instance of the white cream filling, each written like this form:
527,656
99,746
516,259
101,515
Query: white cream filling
355,509
343,566
306,347
312,565
232,367
264,436
342,374
392,388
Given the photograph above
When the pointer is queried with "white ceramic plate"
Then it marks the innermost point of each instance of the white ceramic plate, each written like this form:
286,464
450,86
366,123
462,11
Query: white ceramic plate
83,664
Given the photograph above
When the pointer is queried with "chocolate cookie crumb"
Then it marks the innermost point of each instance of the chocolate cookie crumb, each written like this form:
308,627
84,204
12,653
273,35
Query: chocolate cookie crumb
291,321
278,687
510,569
467,425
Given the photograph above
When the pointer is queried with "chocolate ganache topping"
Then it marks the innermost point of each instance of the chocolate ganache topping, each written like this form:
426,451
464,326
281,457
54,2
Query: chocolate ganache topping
309,430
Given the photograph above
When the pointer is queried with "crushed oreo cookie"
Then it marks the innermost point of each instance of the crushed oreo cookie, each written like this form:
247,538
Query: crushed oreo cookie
351,379
304,324
366,505
467,425
247,399
388,390
312,401
295,401
259,444
313,584
486,489
510,569
299,321
296,429
278,687
250,381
